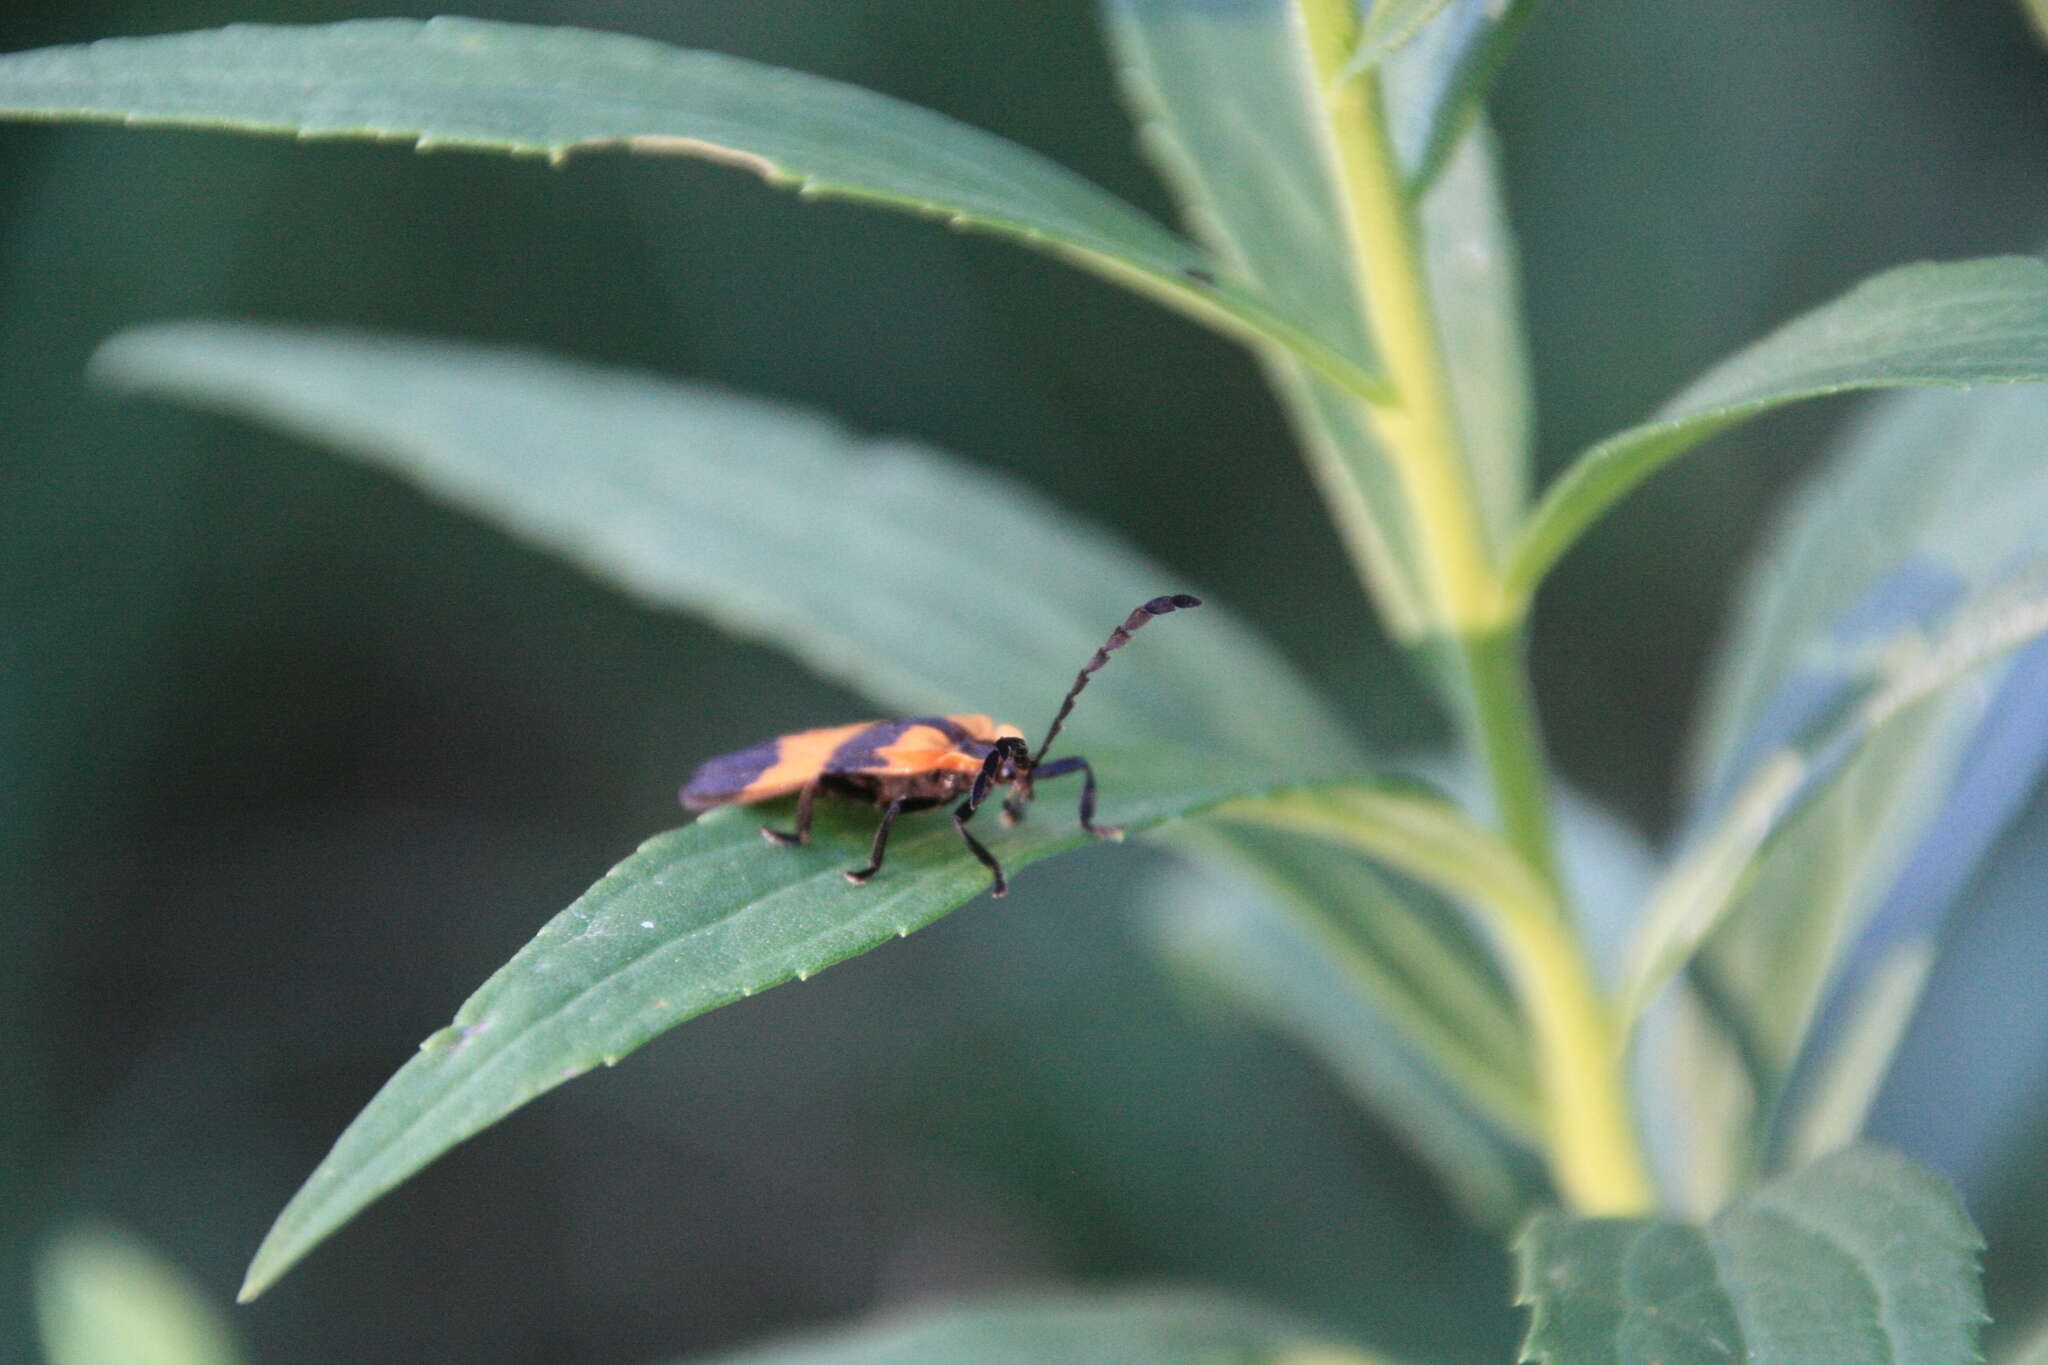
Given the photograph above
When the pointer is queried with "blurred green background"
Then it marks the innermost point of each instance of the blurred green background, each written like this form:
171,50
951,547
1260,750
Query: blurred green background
290,759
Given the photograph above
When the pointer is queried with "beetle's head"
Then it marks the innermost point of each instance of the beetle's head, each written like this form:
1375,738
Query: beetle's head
1013,759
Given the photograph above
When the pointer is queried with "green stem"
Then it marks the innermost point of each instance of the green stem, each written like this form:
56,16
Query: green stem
1588,1131
1594,1153
1500,721
1419,429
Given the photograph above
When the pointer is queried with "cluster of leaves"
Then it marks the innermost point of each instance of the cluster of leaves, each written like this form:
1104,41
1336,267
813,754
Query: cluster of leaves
1874,727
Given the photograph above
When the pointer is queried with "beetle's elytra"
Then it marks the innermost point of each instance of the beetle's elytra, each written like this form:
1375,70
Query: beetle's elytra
914,764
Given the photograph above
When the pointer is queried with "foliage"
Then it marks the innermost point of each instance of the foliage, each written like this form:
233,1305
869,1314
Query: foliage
1667,1096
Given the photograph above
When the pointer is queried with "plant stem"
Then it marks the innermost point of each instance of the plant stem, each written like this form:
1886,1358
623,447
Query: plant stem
1595,1157
1502,725
1416,422
1586,1125
1418,428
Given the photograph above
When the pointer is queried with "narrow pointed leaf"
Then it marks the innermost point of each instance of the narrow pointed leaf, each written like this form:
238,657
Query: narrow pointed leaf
1231,111
1862,1258
1961,323
1389,24
1907,672
1983,1000
1437,79
480,85
1158,1327
1928,521
696,499
1228,108
859,557
1475,283
699,917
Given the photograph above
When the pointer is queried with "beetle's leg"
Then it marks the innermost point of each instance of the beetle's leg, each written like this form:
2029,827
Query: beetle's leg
1018,799
1060,768
961,815
984,781
802,833
889,813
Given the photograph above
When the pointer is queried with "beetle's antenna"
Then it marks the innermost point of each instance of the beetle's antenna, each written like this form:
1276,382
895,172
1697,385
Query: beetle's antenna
1158,606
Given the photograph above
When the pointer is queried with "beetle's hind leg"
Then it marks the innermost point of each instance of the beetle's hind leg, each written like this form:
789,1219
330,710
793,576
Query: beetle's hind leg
889,813
1060,768
802,833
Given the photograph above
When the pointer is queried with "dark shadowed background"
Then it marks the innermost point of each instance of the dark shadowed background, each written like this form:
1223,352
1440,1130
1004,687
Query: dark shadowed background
290,759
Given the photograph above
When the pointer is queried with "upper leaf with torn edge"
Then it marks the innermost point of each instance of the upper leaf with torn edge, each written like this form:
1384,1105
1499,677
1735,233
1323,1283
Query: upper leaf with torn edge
1862,1258
475,84
1962,323
1229,108
694,498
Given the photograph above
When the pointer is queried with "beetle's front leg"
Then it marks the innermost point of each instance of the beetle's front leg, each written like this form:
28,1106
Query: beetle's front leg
1061,768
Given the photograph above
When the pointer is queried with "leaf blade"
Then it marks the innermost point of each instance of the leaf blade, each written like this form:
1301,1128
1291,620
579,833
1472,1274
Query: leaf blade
1890,550
1388,25
695,499
481,85
1701,892
1231,111
697,918
1861,1257
1226,105
1956,323
1131,1328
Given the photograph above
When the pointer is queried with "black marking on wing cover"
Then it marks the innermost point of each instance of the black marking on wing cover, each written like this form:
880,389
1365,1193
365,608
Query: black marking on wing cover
724,777
863,750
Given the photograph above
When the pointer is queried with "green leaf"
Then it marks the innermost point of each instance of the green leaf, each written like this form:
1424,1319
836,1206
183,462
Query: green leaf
478,85
103,1296
1379,983
1230,109
699,917
1962,323
700,500
1475,283
1903,673
1891,557
1132,1328
693,498
1388,25
1861,1257
1437,81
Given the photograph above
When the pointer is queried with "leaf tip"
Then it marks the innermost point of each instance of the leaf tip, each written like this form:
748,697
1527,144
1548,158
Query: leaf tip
260,1275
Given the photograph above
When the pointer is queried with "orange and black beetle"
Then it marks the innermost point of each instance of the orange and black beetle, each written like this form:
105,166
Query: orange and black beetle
907,765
